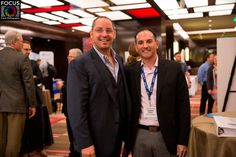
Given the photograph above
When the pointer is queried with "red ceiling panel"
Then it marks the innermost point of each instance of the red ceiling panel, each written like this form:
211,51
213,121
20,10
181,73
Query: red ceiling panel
69,25
144,13
48,9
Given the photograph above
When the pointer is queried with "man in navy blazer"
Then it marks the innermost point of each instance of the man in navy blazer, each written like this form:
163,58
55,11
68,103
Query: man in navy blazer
160,119
97,96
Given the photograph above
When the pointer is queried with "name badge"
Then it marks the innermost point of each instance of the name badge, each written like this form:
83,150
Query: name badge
150,112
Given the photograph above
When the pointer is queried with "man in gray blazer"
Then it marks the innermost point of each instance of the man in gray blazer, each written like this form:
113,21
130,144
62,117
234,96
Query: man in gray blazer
17,94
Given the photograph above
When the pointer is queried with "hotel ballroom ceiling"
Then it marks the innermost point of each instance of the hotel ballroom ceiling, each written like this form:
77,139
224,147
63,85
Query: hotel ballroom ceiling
202,20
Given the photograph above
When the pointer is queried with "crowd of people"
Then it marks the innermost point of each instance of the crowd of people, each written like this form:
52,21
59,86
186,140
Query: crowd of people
112,109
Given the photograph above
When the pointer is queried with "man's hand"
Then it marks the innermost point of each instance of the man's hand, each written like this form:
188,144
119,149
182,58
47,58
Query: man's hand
181,150
32,111
88,152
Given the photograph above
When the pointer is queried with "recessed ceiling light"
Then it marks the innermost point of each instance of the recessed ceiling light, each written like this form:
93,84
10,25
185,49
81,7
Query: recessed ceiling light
172,4
80,13
33,18
83,28
51,22
49,16
209,25
115,15
225,1
88,3
176,11
220,13
134,6
214,8
64,14
194,3
122,2
209,20
95,10
24,6
43,3
186,16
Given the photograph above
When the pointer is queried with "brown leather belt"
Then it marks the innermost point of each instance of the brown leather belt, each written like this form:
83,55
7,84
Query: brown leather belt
150,128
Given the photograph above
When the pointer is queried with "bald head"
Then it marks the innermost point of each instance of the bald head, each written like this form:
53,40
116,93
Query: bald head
73,53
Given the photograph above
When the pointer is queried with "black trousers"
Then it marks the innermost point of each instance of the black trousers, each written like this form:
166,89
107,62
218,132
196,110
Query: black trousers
204,97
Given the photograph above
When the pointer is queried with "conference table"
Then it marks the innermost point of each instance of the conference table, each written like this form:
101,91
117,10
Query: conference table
203,141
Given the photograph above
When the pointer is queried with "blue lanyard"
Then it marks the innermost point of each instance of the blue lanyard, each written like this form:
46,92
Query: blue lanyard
149,92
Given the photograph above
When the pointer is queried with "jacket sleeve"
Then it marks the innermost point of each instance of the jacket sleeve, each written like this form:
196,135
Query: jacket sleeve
210,78
27,76
78,104
183,108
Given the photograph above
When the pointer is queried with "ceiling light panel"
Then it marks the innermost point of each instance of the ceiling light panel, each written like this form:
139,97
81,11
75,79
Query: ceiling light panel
65,14
88,3
214,8
225,1
81,13
96,10
83,28
171,4
134,6
47,9
211,31
186,16
24,6
51,22
49,16
33,18
176,11
195,3
43,3
122,2
115,15
220,13
70,20
87,21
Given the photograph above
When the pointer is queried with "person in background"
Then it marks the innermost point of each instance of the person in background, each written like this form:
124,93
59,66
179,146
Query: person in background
202,78
178,59
133,55
160,119
97,96
62,87
17,94
33,133
212,82
184,66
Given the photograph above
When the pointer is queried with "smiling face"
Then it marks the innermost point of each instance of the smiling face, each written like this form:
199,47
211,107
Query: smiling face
103,34
146,45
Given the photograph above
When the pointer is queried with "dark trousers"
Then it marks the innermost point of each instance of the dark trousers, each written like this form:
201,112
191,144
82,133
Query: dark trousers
204,97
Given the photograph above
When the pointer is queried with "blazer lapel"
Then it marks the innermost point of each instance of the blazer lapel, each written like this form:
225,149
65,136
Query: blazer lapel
137,81
104,73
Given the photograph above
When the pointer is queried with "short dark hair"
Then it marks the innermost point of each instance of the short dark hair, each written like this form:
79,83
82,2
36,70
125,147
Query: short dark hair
145,29
177,53
103,17
26,42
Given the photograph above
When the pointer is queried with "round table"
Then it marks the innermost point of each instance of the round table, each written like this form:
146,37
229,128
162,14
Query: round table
203,141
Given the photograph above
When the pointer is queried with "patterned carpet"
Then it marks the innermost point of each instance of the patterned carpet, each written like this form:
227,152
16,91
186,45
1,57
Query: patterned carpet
60,148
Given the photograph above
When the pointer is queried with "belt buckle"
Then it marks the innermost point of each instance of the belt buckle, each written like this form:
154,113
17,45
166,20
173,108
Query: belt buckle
153,128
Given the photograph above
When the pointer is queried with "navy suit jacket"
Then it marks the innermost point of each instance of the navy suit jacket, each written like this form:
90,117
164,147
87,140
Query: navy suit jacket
173,107
93,109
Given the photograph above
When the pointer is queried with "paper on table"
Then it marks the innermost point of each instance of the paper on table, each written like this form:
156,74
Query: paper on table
225,126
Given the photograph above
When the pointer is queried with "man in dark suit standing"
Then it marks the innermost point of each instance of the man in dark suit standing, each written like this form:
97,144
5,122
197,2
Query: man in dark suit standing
17,94
160,120
97,96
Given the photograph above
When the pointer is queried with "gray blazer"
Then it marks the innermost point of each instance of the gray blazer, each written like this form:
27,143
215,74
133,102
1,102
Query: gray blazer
17,89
